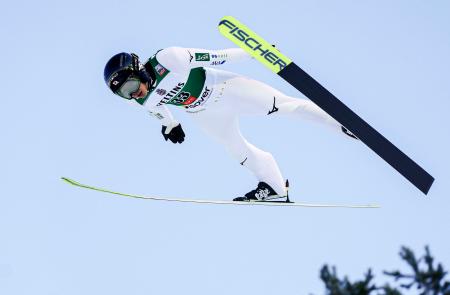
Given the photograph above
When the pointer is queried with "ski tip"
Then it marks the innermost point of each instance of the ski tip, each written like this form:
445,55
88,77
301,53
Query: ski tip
68,180
227,18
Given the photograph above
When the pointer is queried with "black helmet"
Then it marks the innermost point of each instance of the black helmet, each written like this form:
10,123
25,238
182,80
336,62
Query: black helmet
122,67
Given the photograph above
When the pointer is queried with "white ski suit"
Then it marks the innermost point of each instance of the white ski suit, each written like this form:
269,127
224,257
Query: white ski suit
216,99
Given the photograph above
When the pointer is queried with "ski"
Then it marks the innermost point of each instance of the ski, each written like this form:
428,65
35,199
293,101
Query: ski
281,65
215,202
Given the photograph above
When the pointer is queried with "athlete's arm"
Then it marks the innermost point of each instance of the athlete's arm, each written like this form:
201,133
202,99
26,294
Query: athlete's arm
179,59
162,113
204,57
171,129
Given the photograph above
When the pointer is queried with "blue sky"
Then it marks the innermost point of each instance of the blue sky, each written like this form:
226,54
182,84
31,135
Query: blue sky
387,61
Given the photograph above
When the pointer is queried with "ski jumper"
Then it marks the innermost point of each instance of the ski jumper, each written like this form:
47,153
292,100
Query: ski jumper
216,99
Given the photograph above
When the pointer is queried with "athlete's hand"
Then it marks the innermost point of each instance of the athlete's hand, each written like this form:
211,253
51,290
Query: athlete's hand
174,133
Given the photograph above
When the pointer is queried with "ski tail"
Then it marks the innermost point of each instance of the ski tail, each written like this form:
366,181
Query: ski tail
283,66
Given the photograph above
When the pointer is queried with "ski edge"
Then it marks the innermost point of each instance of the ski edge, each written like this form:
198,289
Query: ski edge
217,202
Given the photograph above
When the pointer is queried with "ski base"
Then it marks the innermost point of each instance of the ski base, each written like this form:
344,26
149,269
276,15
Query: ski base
217,202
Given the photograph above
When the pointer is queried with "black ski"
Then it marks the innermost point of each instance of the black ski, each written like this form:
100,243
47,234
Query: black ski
283,66
298,78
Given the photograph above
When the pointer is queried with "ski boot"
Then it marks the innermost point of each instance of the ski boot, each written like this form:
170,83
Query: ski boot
348,133
262,193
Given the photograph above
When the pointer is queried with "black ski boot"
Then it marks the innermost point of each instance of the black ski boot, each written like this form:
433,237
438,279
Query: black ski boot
348,133
262,193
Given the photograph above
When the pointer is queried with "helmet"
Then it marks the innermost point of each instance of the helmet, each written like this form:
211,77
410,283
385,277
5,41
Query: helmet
123,74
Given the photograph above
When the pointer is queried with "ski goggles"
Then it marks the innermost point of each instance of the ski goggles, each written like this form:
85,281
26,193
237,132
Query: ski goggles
129,87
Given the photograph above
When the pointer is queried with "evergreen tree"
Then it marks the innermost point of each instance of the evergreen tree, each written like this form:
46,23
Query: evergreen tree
425,277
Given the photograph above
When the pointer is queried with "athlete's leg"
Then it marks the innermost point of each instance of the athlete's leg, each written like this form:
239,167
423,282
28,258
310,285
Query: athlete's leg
250,97
223,126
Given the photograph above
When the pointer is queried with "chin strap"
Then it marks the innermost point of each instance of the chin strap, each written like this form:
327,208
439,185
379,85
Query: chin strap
144,72
151,73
